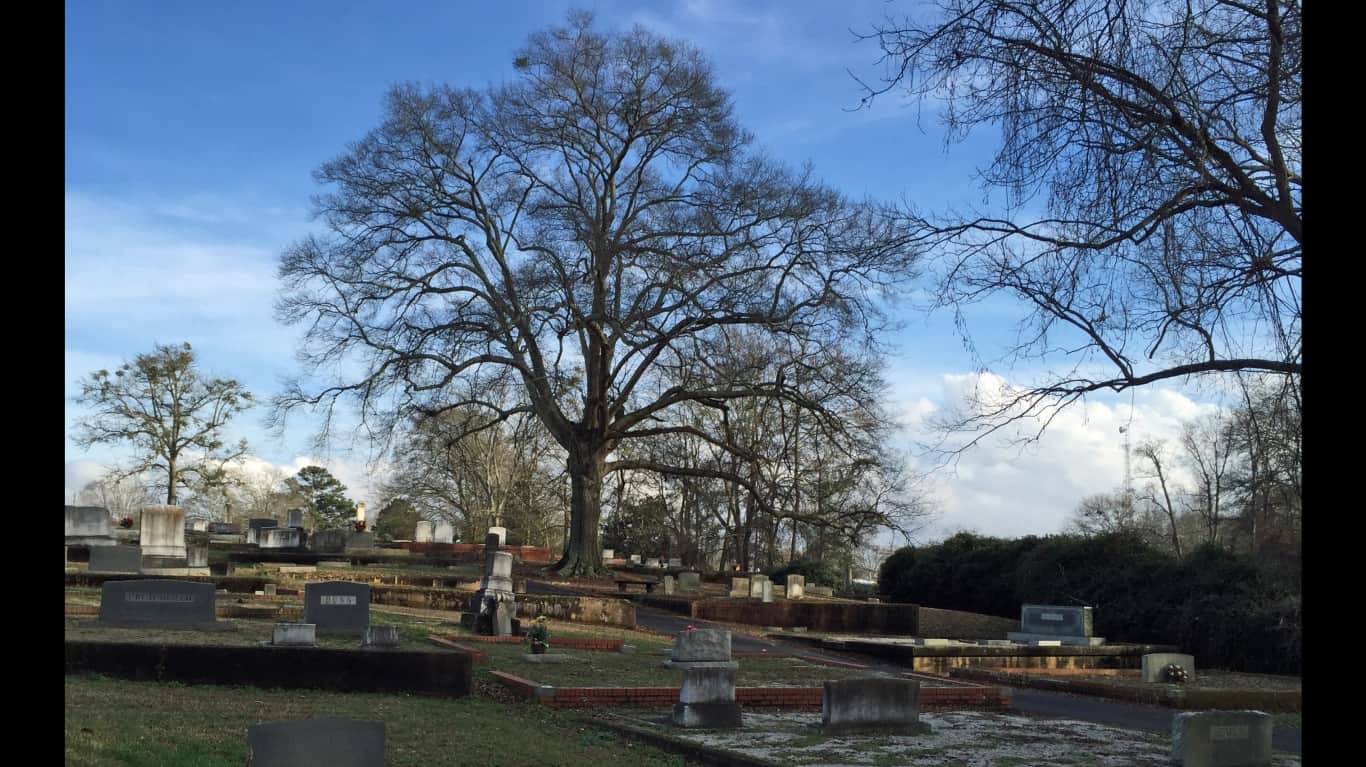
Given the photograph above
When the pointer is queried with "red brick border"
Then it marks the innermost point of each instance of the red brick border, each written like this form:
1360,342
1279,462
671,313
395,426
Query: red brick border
477,656
798,698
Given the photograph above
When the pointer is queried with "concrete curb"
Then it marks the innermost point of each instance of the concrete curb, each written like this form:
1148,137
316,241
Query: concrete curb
708,755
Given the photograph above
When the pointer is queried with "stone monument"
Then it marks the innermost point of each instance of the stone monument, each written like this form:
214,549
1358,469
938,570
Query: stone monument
163,532
1065,624
423,533
707,697
494,605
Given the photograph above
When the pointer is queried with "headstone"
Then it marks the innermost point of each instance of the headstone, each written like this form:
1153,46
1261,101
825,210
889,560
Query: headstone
780,592
871,704
157,603
494,604
609,554
380,637
675,562
796,586
1154,663
331,742
162,532
356,540
1221,739
337,607
225,528
200,526
360,511
668,585
766,592
280,538
295,635
256,525
270,589
739,588
443,533
501,532
196,556
652,562
701,645
635,559
821,591
756,585
294,518
689,580
707,697
1069,624
115,559
423,534
88,526
329,541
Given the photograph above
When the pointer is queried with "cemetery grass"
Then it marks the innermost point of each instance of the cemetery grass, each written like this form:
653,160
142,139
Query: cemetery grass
113,722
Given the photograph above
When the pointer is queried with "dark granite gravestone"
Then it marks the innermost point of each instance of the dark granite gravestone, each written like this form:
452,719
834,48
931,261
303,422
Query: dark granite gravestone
1221,739
871,704
330,742
157,603
337,607
1055,620
116,559
328,541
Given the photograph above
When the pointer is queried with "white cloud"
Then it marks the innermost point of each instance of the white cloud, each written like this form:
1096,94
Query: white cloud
1006,489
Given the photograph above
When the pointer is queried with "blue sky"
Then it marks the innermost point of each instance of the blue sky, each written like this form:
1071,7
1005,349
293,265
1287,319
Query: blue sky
192,130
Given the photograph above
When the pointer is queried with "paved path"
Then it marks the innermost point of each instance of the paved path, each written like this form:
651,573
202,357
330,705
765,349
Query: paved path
1041,703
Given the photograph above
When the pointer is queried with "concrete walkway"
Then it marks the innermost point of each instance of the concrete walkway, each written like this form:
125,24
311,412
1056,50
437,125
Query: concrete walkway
1041,703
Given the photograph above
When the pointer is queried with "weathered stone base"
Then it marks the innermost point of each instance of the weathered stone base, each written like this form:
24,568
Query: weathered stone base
1027,638
706,715
914,728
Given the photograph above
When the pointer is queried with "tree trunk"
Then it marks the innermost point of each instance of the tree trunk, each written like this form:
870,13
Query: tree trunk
582,552
170,483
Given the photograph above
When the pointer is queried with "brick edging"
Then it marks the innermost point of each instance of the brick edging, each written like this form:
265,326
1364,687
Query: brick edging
790,698
477,656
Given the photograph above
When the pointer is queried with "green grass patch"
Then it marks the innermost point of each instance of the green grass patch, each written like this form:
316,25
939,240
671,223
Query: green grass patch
118,723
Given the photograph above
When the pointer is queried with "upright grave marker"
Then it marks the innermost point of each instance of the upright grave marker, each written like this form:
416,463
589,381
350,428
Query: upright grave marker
115,559
1221,739
337,607
872,704
162,533
423,533
156,602
707,697
1067,624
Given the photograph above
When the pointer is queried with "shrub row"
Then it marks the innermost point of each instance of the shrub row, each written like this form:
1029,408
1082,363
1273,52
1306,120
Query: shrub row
1220,606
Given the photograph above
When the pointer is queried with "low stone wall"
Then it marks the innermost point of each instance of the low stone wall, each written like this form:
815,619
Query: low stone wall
1172,696
433,673
233,583
475,551
956,624
832,617
608,612
416,596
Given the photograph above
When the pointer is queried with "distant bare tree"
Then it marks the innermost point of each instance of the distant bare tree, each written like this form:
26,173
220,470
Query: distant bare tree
1151,169
122,496
171,414
1153,453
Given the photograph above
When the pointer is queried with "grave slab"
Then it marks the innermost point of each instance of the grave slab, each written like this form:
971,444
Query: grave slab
871,704
1155,662
1221,739
331,742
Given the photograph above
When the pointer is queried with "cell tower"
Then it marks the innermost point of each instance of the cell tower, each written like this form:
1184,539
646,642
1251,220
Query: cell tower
1128,477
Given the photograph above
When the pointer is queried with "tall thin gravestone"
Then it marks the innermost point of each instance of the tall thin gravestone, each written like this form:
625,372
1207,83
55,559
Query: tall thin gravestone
493,604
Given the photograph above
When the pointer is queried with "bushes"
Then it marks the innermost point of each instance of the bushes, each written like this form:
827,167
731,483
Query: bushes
1215,604
815,571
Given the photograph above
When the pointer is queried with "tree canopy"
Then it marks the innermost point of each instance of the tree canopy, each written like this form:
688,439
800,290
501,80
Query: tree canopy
591,232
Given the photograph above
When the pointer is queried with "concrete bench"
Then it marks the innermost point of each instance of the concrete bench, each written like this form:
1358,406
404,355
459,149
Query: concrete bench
648,582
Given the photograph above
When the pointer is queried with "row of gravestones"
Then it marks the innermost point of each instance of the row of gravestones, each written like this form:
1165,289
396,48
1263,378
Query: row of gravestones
672,563
758,586
340,607
881,704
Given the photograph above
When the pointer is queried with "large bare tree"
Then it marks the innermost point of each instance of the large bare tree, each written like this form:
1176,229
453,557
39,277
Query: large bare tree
171,414
584,231
1148,182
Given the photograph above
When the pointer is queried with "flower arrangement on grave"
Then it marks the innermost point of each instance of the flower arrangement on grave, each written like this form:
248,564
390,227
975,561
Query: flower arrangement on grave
1175,673
539,634
126,522
359,525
